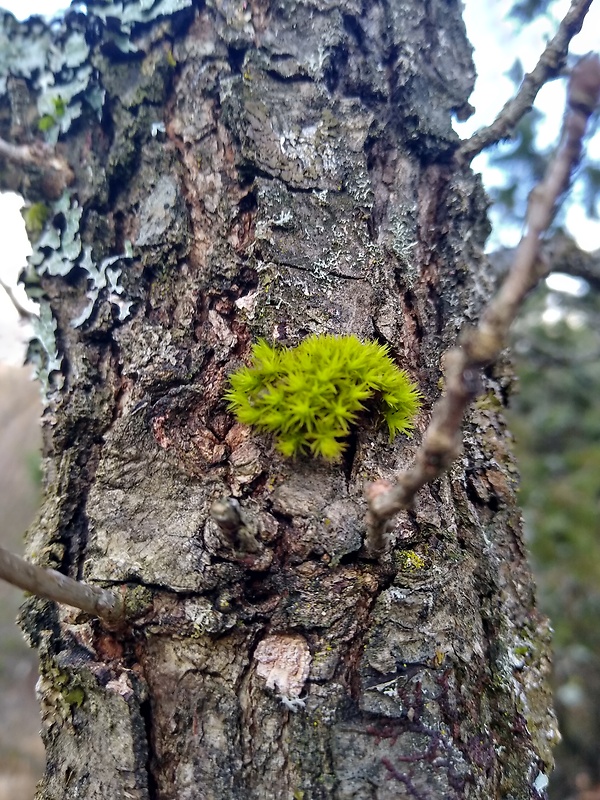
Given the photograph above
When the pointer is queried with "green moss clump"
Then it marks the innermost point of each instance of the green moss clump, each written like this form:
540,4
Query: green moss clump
488,402
35,216
60,107
138,600
309,396
410,561
46,122
75,697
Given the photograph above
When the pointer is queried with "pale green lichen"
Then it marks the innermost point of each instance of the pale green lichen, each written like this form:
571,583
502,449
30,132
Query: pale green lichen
56,59
104,276
59,245
42,351
59,250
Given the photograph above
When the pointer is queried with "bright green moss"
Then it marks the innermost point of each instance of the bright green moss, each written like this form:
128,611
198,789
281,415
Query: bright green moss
46,122
35,216
171,60
309,396
59,107
410,561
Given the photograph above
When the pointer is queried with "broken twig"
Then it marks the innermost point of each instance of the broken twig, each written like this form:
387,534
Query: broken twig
23,313
56,171
58,587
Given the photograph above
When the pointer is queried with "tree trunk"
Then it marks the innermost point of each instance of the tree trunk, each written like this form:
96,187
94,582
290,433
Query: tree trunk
279,169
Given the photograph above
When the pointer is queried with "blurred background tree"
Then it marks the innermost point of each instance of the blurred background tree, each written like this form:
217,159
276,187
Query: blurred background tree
555,418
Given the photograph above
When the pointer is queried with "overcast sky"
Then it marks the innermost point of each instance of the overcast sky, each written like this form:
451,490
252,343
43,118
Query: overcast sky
498,42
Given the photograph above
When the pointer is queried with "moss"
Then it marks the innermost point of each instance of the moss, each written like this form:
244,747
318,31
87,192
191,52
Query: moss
138,600
322,655
35,217
62,689
310,396
171,60
74,697
46,123
410,561
60,107
488,402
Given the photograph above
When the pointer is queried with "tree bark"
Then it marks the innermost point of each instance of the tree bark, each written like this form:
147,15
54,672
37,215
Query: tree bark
279,169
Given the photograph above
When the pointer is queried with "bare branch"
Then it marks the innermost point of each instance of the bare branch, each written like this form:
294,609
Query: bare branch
233,523
21,310
60,588
563,254
551,62
41,155
36,153
481,346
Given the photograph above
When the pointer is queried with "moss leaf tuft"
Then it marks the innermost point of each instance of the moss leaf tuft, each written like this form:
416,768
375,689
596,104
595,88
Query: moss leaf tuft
309,396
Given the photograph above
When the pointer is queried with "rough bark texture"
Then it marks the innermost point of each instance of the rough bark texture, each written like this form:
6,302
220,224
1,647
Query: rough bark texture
279,168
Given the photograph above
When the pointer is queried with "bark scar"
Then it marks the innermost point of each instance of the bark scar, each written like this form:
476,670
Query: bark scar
284,662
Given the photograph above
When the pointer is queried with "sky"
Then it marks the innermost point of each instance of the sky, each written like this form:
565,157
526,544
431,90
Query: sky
498,42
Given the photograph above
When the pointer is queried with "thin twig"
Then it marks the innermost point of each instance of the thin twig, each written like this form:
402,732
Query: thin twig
481,346
24,313
563,255
551,62
55,586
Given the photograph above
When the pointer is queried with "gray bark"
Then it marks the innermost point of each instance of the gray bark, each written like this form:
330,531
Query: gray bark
279,169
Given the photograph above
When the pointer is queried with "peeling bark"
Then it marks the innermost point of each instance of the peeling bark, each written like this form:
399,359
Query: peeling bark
280,169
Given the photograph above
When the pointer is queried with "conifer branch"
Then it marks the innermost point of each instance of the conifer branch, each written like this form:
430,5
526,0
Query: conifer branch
482,345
